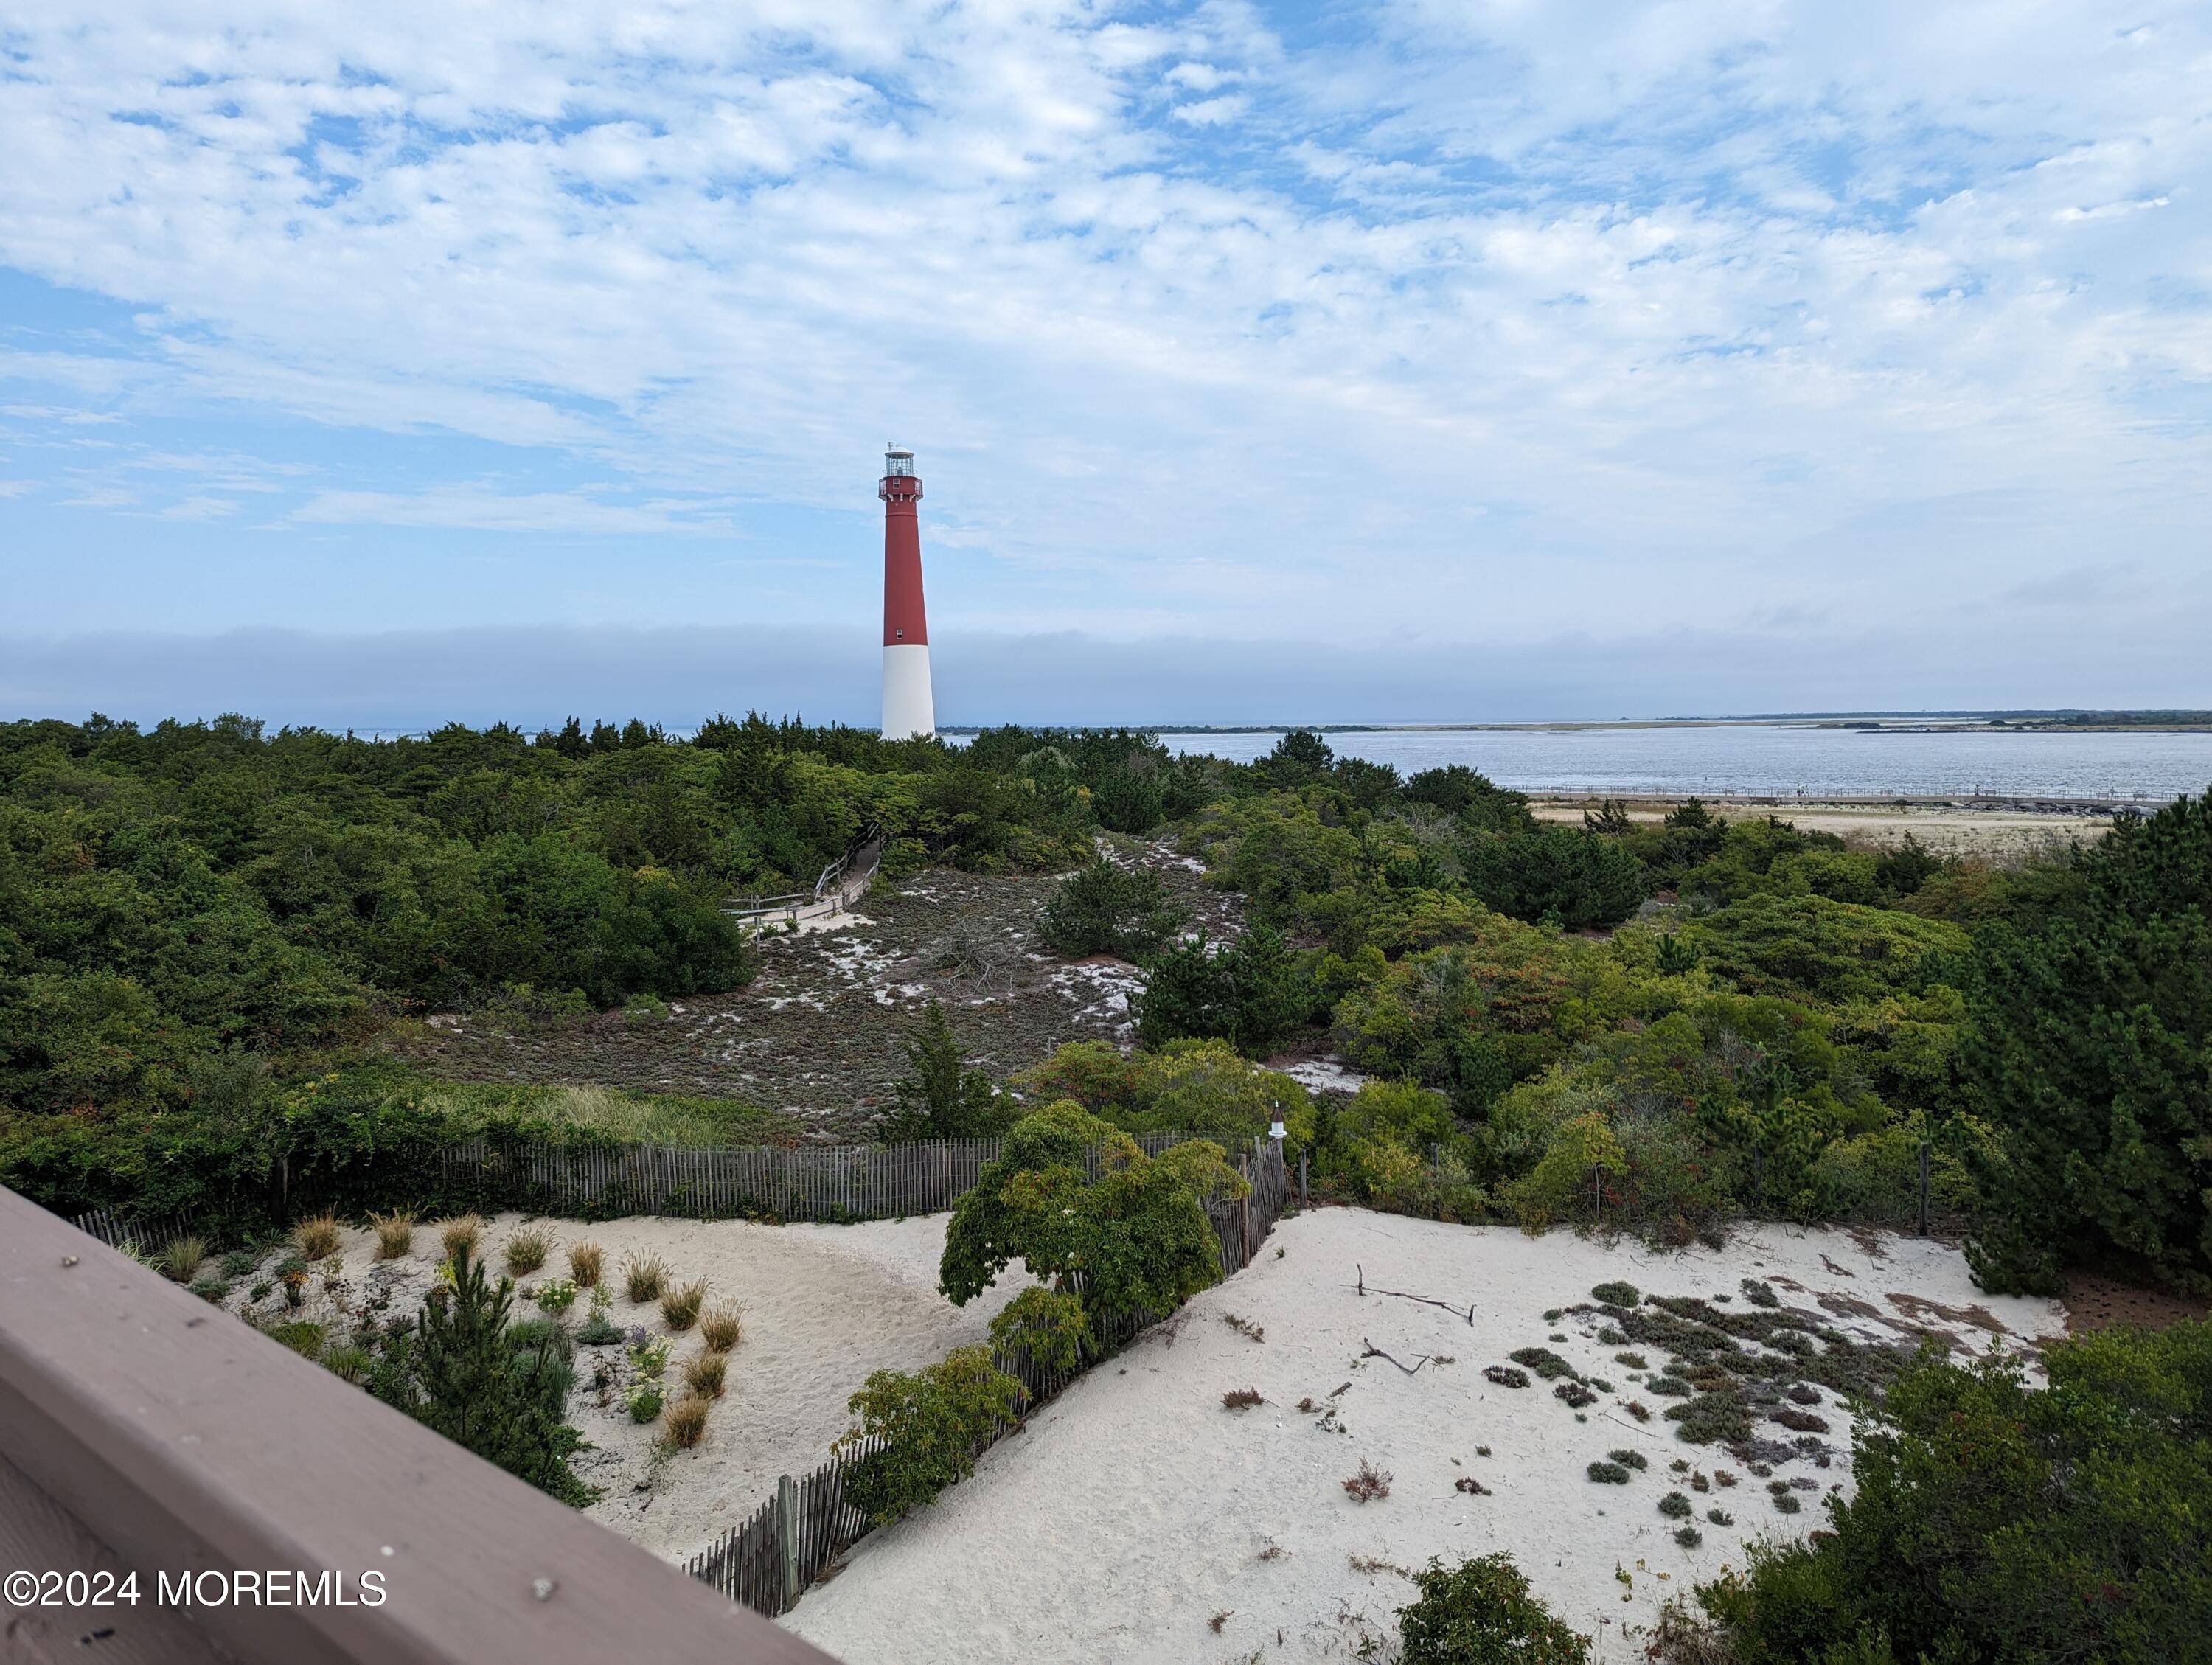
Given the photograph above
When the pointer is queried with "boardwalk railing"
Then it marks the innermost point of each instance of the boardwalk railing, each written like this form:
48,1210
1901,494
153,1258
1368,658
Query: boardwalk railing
859,859
766,1560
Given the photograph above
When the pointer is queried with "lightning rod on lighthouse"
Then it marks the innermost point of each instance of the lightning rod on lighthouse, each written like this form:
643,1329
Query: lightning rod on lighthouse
909,709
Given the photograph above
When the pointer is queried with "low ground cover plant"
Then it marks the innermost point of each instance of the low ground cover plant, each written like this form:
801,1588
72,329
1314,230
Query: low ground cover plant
526,1248
679,1308
317,1238
644,1276
1369,1485
683,1425
395,1233
720,1329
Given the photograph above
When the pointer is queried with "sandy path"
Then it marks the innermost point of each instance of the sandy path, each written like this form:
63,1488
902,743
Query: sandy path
823,1306
1135,1508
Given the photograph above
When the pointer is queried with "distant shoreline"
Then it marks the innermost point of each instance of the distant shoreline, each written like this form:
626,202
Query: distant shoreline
1879,722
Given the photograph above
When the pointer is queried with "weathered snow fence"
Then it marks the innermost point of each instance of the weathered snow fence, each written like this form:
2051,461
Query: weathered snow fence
765,1562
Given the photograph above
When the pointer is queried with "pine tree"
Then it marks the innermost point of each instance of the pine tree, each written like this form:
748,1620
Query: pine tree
500,1390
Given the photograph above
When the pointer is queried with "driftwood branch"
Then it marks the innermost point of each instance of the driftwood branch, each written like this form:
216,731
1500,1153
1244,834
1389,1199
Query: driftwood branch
1400,1294
1373,1351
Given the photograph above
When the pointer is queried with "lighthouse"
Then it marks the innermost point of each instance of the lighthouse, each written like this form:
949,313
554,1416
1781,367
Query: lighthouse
909,711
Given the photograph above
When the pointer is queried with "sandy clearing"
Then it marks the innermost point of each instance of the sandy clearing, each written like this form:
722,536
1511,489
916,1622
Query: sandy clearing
1991,832
1135,1508
823,1305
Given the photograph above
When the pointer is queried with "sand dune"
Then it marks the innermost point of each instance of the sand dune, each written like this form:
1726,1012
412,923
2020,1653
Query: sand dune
1135,1508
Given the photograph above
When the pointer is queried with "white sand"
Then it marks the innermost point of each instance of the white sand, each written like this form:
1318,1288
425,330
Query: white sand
823,1306
1135,1508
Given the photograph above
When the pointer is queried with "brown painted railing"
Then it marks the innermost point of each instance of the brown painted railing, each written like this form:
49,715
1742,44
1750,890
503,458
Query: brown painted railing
149,1437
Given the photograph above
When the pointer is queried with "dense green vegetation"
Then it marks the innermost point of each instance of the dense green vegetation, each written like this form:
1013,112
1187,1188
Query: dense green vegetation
201,922
1994,1523
1767,1019
201,925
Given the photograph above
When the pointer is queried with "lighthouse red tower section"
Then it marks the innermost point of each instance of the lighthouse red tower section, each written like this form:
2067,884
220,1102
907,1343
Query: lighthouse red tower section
909,705
904,621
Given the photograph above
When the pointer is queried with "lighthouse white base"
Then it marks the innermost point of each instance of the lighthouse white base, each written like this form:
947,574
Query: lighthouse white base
909,710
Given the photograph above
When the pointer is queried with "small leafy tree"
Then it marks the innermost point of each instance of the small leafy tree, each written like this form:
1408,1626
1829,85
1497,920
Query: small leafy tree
942,1099
501,1390
1137,1239
1483,1612
1102,908
932,1422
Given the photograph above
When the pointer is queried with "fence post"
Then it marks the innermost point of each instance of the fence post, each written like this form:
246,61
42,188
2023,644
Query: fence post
1758,1175
1924,1187
786,1532
1305,1200
1244,1213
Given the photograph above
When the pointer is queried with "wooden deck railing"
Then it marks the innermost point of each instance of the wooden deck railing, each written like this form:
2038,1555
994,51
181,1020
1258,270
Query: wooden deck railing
144,1432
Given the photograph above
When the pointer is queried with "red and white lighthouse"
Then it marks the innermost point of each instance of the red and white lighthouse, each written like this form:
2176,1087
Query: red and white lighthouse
909,709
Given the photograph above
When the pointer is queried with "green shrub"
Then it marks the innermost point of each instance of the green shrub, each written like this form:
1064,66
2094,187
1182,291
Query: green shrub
210,1289
1994,1522
643,1399
1674,1505
932,1422
1629,1459
1483,1612
1105,908
1250,993
1610,1474
241,1263
1542,1360
1617,1294
1049,1323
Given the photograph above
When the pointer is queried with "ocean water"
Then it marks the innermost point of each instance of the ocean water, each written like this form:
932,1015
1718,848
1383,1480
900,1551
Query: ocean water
1770,760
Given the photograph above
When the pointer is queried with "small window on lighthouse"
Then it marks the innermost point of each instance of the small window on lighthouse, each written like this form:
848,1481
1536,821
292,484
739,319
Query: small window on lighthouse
901,634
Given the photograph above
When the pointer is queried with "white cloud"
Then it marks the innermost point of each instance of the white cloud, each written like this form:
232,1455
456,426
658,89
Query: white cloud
1212,112
1531,318
480,509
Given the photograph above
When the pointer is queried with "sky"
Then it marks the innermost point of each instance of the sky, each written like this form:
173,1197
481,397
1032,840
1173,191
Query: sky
384,364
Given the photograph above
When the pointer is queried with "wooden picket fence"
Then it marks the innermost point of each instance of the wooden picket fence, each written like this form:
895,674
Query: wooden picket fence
823,1183
768,1558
